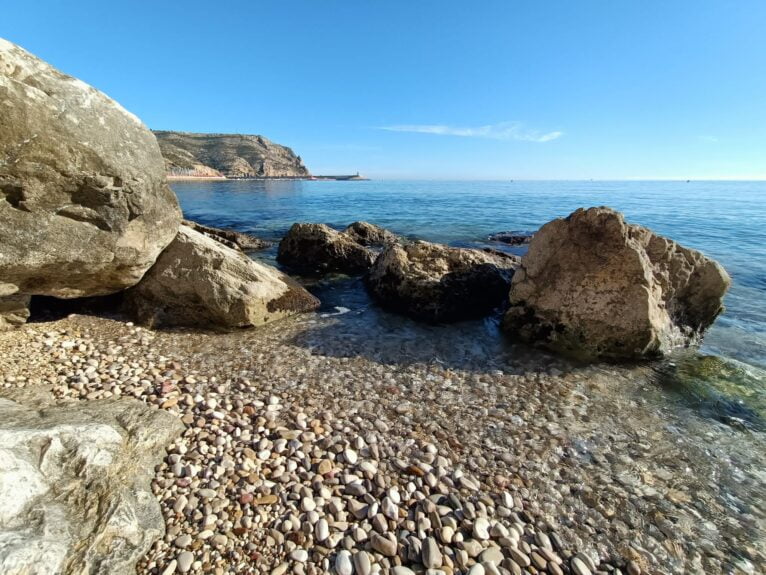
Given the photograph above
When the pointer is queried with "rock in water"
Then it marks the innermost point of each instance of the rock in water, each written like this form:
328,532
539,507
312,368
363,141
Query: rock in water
231,238
198,281
437,283
369,235
84,206
313,248
593,286
75,485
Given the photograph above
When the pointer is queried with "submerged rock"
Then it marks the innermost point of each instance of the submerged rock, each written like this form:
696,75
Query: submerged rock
315,248
75,485
198,281
593,286
370,235
230,238
438,283
84,206
511,238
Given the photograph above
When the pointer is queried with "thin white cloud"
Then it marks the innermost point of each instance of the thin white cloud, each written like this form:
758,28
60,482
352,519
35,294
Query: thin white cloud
500,131
710,139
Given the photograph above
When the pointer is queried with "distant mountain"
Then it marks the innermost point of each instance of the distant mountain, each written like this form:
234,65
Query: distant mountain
231,155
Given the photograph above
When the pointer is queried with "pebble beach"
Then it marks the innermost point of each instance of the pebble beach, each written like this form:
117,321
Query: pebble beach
314,446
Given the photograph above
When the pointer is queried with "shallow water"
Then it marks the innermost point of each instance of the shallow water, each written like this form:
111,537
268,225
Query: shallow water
725,220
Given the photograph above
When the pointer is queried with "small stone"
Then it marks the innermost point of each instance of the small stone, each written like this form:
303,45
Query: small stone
579,567
383,545
493,554
299,555
185,560
362,563
343,565
477,569
481,529
431,554
321,530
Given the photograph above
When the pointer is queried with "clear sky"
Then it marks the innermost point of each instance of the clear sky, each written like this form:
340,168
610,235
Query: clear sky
603,89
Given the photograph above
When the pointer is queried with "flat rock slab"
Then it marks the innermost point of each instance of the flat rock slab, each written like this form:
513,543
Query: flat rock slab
75,493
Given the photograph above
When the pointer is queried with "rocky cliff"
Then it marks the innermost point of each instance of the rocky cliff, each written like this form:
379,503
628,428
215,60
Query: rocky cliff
232,155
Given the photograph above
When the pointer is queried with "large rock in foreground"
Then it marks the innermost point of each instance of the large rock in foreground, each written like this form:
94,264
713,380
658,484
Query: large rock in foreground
75,485
197,281
437,283
593,286
84,207
370,235
317,248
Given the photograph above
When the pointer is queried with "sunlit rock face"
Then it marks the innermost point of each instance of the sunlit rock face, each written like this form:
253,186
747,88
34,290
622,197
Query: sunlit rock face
75,485
593,286
84,206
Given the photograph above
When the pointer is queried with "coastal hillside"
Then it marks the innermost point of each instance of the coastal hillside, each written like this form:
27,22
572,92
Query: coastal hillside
230,155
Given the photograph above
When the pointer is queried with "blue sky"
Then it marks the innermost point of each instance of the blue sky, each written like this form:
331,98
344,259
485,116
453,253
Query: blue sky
545,89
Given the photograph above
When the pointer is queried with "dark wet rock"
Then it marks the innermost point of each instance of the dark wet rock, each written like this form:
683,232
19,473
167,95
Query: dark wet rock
84,206
511,238
438,283
75,484
197,281
593,286
369,235
317,248
230,238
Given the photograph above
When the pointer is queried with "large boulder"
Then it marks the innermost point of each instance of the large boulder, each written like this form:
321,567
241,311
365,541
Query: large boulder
317,248
436,283
593,286
75,485
84,206
197,281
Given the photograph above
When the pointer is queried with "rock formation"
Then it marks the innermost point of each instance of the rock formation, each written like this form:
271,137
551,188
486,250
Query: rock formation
593,286
511,238
370,235
230,238
317,248
84,207
197,281
437,283
75,485
233,155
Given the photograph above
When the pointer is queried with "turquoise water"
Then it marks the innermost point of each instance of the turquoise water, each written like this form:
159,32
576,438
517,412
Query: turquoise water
725,220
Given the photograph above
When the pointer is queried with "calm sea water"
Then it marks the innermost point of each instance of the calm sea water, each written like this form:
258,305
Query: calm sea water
725,220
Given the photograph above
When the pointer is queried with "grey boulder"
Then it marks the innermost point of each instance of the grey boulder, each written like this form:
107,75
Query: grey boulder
593,286
198,281
75,485
437,283
84,206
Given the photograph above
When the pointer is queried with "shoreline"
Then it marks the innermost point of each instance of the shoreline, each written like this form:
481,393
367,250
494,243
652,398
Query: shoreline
298,408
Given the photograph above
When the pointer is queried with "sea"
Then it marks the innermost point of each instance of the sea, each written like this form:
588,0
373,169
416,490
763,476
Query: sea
724,220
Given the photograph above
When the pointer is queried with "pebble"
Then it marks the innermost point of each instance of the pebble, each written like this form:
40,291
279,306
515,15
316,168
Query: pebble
481,529
185,560
431,554
343,564
579,567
